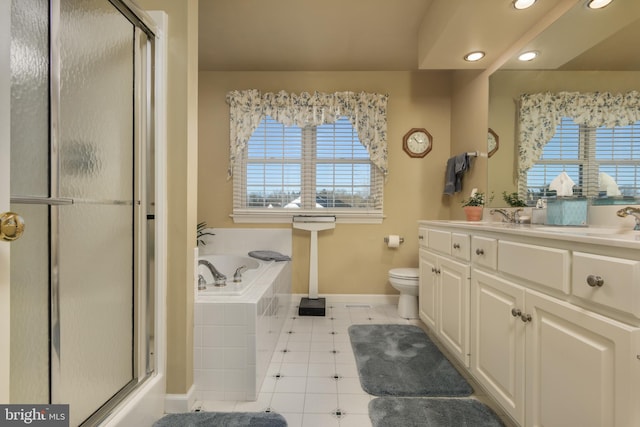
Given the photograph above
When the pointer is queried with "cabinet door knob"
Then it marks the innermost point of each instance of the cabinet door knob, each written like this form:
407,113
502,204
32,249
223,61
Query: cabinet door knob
525,318
456,246
479,251
595,281
420,237
515,312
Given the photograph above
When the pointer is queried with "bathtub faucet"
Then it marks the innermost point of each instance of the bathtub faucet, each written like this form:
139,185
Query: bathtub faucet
511,217
219,279
631,211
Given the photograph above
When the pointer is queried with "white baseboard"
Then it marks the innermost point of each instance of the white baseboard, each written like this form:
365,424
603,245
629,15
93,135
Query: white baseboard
370,299
176,403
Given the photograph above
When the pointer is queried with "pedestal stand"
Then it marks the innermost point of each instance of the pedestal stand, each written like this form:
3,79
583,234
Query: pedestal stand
313,305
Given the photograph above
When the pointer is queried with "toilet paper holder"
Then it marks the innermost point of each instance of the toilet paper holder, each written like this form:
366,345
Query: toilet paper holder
386,239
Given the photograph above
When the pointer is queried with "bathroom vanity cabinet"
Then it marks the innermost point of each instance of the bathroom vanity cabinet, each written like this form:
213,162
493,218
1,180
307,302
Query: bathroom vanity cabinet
444,289
553,321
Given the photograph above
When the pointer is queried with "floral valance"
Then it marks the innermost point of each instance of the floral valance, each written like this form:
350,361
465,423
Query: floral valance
367,112
540,113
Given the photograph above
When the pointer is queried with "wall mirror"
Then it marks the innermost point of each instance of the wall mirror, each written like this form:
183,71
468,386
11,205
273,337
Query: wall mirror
583,51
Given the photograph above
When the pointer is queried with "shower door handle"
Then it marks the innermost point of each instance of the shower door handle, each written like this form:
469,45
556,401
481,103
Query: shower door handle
11,226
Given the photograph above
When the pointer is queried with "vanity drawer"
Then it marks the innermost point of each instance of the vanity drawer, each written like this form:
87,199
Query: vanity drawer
439,241
423,237
619,284
461,246
545,266
484,251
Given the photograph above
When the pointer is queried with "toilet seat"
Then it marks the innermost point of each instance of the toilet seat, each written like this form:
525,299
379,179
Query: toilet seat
404,273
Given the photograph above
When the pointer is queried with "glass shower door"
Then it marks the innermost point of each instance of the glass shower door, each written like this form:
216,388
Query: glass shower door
81,109
92,336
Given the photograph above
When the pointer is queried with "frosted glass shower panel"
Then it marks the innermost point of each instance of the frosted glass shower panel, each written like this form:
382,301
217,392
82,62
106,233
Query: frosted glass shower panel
96,102
96,306
30,308
30,97
29,269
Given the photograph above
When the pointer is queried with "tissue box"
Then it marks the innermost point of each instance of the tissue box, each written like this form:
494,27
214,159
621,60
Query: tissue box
567,211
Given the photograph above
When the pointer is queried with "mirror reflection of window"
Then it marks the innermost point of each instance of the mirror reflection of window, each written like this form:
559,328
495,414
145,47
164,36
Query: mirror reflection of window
603,162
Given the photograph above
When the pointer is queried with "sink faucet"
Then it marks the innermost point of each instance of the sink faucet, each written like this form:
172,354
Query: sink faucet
631,211
219,279
507,216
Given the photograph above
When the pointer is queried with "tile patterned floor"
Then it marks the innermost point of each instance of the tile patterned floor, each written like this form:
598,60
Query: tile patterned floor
313,380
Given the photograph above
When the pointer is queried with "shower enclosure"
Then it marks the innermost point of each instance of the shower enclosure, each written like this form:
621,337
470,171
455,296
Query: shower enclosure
81,177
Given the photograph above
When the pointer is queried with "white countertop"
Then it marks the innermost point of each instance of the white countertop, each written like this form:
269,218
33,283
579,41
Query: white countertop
610,236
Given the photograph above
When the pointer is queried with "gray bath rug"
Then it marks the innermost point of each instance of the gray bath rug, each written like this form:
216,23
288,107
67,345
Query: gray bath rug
400,360
431,412
222,419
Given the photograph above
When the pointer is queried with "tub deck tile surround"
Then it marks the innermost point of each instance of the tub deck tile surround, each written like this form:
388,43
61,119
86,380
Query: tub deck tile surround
234,337
312,379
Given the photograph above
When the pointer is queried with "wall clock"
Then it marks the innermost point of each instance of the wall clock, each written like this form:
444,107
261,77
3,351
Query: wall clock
417,142
493,142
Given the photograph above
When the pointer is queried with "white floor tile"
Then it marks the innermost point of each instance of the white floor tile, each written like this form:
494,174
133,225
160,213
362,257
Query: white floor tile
322,356
321,385
355,420
293,420
287,402
291,385
320,420
296,357
321,370
320,403
294,369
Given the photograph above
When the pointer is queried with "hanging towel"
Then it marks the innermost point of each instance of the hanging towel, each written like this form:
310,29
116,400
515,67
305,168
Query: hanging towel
456,167
269,256
563,184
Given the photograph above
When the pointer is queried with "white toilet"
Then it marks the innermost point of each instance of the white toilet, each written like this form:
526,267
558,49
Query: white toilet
405,280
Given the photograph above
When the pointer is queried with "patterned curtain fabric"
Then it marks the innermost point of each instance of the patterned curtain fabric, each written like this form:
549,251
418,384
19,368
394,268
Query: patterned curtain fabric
367,112
540,113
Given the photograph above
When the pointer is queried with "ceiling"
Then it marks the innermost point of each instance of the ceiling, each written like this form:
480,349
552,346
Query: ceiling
383,35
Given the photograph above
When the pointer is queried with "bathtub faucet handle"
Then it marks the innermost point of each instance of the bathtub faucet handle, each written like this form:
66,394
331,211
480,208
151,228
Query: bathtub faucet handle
202,283
237,276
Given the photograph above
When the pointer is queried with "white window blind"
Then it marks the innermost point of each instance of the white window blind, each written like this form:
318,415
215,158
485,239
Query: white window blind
289,170
617,153
585,154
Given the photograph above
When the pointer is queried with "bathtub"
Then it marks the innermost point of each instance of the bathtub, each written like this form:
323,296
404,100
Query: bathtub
227,265
236,327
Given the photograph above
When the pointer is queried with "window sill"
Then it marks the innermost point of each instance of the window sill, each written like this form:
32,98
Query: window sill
285,217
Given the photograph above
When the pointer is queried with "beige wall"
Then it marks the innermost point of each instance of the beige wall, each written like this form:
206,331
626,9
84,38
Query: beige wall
182,122
353,258
469,104
507,86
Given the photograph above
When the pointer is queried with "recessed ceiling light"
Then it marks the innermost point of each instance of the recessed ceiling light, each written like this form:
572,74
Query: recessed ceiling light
474,56
523,4
528,56
598,4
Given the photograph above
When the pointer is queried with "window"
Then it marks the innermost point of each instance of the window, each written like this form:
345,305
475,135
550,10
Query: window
601,161
288,170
